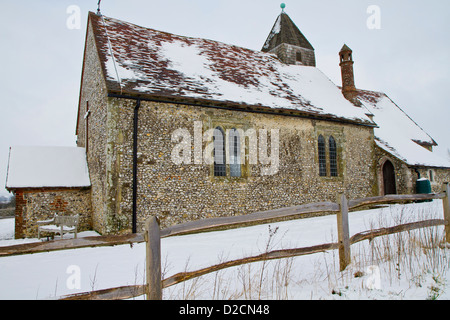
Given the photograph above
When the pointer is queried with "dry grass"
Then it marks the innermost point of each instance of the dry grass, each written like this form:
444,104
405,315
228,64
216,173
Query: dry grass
407,257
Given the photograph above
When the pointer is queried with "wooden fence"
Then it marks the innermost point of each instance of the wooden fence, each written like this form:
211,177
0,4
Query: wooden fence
153,235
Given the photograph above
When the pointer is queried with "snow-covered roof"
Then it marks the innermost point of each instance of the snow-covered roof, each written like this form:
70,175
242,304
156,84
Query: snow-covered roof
145,62
45,167
397,133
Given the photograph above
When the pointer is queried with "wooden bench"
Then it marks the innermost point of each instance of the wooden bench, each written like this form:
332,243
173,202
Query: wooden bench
59,224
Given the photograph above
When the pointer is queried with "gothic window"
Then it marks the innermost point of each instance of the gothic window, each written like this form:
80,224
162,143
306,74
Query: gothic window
219,153
322,157
333,157
235,153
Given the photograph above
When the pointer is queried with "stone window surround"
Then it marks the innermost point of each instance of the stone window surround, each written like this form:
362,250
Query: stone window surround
381,163
338,137
229,124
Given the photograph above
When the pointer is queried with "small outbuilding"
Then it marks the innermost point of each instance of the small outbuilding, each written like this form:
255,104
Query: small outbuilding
45,181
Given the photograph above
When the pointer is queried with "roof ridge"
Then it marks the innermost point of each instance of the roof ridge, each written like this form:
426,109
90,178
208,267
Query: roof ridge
183,36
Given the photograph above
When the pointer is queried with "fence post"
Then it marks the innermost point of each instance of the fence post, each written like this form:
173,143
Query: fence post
446,203
153,259
343,233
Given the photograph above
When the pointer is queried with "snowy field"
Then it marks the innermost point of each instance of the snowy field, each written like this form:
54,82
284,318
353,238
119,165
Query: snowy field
407,266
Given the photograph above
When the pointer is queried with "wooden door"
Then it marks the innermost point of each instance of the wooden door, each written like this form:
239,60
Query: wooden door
389,178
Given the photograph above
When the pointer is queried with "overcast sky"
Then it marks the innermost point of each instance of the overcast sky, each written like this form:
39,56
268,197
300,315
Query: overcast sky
407,57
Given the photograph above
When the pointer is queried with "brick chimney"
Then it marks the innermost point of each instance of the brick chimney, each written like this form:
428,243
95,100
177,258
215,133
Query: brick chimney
348,78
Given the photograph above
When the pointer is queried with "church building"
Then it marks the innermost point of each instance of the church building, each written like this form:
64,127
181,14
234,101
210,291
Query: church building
186,128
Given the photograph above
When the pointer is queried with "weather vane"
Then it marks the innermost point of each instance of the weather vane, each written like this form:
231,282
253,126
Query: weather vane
98,9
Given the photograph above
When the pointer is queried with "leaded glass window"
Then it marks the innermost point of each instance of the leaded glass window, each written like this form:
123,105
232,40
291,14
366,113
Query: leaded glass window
219,153
322,157
333,157
235,152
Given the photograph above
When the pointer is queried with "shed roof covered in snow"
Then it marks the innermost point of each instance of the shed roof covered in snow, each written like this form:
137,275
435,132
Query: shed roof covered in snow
47,167
397,133
143,62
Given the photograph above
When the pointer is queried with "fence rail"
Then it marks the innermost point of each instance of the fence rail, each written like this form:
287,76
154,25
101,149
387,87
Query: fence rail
199,226
70,244
353,204
153,235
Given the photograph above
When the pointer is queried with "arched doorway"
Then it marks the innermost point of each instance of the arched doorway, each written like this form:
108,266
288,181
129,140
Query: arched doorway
389,183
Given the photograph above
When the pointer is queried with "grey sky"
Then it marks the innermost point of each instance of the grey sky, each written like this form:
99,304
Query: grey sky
408,58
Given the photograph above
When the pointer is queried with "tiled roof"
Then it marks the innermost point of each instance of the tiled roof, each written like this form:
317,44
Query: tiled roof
145,62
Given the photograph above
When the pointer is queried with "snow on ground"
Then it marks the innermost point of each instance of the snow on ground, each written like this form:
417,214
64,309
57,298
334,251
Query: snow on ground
421,275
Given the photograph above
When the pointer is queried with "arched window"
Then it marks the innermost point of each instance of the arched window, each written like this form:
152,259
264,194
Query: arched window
235,153
219,153
333,157
322,157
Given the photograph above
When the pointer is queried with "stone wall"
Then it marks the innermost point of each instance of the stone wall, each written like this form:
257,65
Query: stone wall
179,193
437,177
19,227
34,205
94,94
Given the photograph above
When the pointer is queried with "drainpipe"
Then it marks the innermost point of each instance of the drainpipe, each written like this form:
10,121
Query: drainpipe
417,172
135,159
